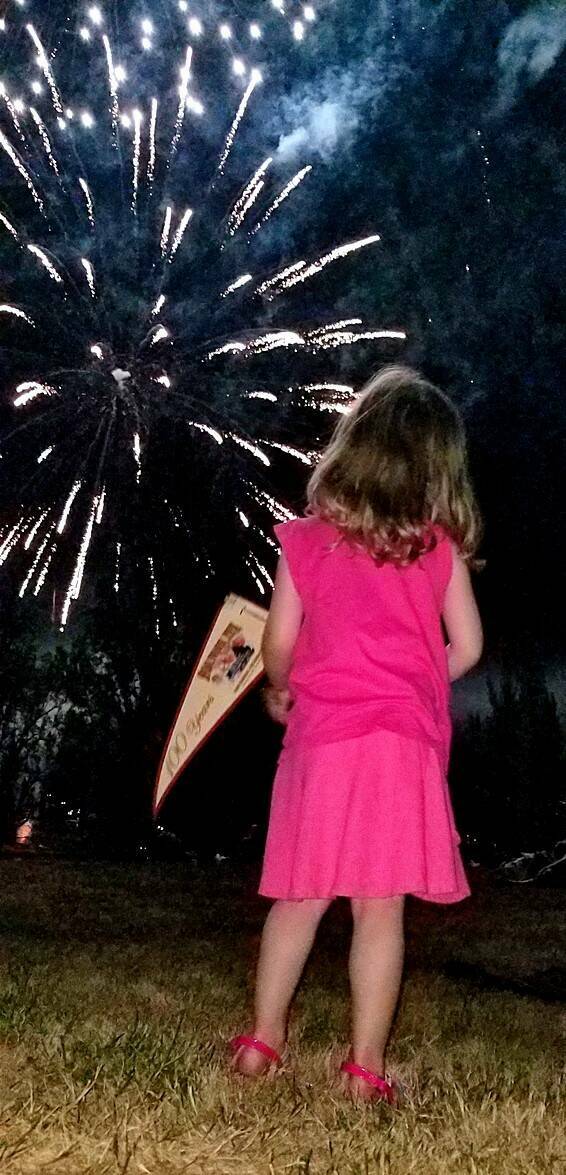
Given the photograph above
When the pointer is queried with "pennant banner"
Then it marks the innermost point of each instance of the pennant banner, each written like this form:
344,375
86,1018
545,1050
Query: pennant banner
229,665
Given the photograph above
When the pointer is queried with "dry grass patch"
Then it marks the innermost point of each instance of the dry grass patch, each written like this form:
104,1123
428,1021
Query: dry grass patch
119,988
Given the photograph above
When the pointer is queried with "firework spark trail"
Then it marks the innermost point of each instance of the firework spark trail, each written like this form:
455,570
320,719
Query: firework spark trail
47,264
258,174
284,193
8,224
45,140
158,305
151,152
279,277
183,90
35,562
74,588
67,507
255,78
34,530
251,448
136,444
186,217
166,230
12,112
101,505
117,568
263,570
43,573
43,62
261,396
16,312
327,258
279,511
212,432
334,326
13,155
226,349
89,275
254,575
237,284
249,203
347,338
30,390
160,334
12,538
45,454
112,84
88,199
136,160
298,453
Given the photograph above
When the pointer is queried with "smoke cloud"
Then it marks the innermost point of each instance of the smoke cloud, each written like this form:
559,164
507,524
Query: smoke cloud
529,48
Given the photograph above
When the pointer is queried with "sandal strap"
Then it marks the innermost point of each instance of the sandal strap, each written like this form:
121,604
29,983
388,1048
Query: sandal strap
383,1084
252,1042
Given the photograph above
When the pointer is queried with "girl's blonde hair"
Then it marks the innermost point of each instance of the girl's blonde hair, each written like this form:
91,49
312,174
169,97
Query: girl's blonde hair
396,467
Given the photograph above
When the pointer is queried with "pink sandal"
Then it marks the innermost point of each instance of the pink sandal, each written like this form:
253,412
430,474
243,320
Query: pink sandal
253,1042
385,1088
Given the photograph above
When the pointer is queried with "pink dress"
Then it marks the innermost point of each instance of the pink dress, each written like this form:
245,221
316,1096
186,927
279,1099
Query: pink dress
360,804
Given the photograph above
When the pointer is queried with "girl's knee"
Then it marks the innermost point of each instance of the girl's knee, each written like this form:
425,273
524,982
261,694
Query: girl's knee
378,908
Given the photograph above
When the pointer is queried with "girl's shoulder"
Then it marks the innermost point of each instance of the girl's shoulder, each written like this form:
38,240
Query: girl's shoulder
308,530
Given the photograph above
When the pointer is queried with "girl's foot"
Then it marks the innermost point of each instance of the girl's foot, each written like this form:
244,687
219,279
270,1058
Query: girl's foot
252,1056
368,1085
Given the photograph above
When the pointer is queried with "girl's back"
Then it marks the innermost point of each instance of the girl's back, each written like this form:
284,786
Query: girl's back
370,653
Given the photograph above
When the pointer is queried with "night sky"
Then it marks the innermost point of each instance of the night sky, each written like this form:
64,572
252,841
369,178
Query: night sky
437,126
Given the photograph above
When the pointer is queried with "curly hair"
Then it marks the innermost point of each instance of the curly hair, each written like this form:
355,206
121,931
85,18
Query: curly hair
395,469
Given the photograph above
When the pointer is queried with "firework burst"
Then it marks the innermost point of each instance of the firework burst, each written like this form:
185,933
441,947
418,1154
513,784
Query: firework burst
155,364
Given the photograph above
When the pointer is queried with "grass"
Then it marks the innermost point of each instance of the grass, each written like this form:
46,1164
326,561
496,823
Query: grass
119,986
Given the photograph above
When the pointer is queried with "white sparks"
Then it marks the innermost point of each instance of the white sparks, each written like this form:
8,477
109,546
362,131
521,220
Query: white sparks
88,200
45,454
166,230
16,312
164,380
211,432
13,155
147,26
226,349
112,83
146,43
87,266
97,351
263,570
281,276
117,570
343,389
298,453
243,518
47,264
137,455
95,15
32,569
255,577
225,32
275,339
261,396
100,507
345,338
298,30
180,232
239,116
77,578
327,258
12,538
84,34
87,119
183,5
7,224
43,573
251,448
195,26
37,87
284,193
248,196
279,511
30,390
160,334
45,139
136,159
309,12
195,105
67,507
158,305
255,31
238,67
34,530
237,285
43,62
183,90
152,131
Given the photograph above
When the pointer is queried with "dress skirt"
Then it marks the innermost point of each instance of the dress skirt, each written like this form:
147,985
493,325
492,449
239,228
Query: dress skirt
366,817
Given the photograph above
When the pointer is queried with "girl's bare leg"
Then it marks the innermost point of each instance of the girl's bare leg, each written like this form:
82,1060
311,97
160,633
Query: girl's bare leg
288,935
375,968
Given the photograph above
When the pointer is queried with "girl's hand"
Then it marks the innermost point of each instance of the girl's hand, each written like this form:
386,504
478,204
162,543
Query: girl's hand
278,703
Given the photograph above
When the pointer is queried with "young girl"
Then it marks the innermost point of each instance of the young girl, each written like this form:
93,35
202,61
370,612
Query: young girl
359,673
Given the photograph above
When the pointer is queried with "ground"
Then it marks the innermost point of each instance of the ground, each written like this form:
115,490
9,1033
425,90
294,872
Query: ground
120,986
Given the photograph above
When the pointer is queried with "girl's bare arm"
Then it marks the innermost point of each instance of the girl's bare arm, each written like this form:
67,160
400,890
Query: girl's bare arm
282,628
462,621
